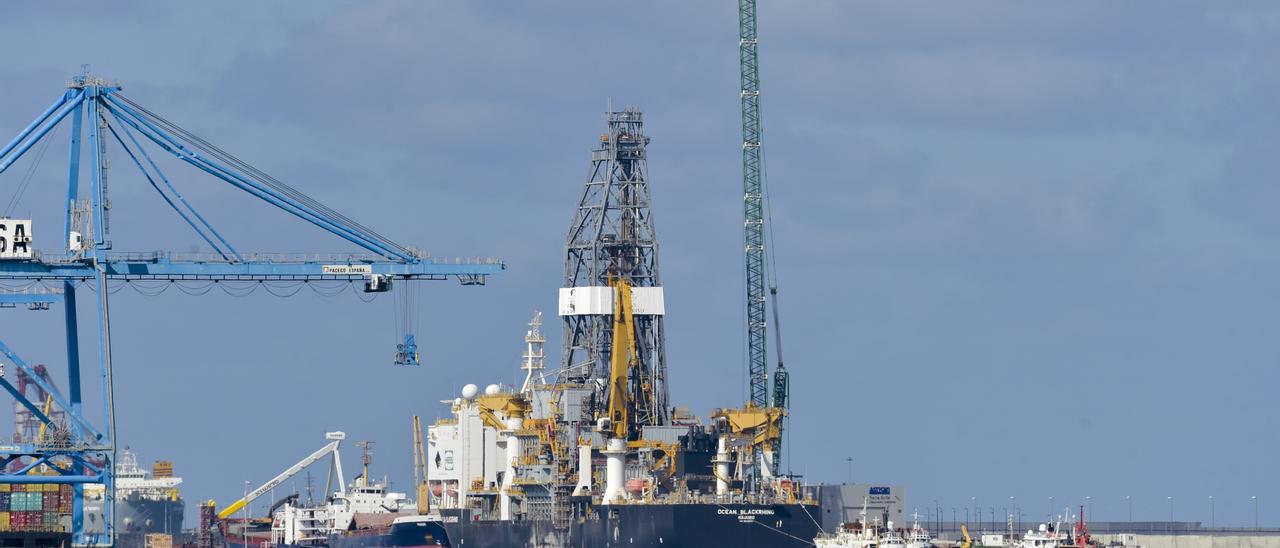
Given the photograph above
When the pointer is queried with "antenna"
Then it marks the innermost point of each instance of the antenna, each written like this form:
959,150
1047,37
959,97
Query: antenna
366,457
533,353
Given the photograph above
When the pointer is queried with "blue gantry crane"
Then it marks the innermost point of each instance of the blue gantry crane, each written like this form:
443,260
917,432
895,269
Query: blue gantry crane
82,451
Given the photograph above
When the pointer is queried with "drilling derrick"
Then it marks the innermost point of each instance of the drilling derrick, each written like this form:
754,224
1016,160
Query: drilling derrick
612,235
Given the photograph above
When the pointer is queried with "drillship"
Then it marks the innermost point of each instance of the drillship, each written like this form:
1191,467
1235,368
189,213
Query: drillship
597,456
147,501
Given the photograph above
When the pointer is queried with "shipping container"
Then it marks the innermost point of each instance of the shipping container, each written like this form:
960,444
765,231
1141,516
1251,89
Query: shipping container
158,540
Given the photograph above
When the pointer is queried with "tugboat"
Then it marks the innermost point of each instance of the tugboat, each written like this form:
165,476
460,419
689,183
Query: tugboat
919,537
1047,536
858,534
891,538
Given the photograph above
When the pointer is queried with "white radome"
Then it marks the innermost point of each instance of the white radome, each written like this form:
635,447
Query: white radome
469,391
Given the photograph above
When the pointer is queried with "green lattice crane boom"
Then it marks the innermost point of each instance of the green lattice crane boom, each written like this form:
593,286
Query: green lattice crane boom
753,204
754,226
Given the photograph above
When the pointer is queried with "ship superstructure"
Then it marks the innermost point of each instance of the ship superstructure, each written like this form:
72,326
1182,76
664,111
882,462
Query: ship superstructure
148,501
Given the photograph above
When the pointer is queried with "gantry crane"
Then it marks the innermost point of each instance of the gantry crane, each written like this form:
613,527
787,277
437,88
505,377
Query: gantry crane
99,115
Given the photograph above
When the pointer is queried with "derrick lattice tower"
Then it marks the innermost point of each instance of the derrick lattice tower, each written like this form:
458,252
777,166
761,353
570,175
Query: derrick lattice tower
612,234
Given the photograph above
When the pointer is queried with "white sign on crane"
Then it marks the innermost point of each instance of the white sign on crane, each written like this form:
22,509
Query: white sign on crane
15,240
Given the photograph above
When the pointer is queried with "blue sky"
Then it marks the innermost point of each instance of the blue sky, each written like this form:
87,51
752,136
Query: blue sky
1024,249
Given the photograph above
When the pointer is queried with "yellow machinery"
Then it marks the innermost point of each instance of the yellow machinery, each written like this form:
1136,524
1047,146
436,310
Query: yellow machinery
331,448
760,427
623,353
968,540
420,469
510,405
48,406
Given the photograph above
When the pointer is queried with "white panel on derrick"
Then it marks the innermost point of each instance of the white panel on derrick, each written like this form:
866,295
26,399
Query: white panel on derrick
647,301
579,301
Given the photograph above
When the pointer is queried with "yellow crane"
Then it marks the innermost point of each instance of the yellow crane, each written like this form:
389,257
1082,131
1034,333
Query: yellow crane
48,406
420,469
968,540
623,353
331,448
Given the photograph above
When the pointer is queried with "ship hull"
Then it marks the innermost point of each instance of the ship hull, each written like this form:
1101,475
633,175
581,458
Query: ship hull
409,535
646,525
140,516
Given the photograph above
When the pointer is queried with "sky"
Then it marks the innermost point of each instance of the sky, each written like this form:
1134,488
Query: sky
1024,249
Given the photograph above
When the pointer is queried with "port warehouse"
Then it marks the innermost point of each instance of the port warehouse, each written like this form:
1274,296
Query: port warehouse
843,503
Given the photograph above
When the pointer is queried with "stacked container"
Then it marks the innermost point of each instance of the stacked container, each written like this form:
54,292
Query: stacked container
35,506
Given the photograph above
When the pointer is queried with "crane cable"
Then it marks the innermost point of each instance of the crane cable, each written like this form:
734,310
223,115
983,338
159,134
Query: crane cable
266,179
31,171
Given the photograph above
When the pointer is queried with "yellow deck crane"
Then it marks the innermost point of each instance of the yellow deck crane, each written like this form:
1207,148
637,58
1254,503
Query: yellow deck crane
622,356
420,469
329,448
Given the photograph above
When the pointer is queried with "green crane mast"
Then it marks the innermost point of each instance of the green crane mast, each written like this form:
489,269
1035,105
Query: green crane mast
753,225
753,204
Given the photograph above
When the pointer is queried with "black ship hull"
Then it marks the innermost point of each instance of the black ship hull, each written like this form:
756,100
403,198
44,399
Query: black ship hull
137,517
643,525
417,534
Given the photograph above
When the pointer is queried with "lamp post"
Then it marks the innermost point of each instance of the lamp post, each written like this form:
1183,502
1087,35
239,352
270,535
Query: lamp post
1129,502
1170,522
244,525
1255,511
1013,503
1050,518
850,461
1213,515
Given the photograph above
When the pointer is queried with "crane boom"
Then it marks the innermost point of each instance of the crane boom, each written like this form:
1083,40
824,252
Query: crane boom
420,469
753,204
329,448
624,349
